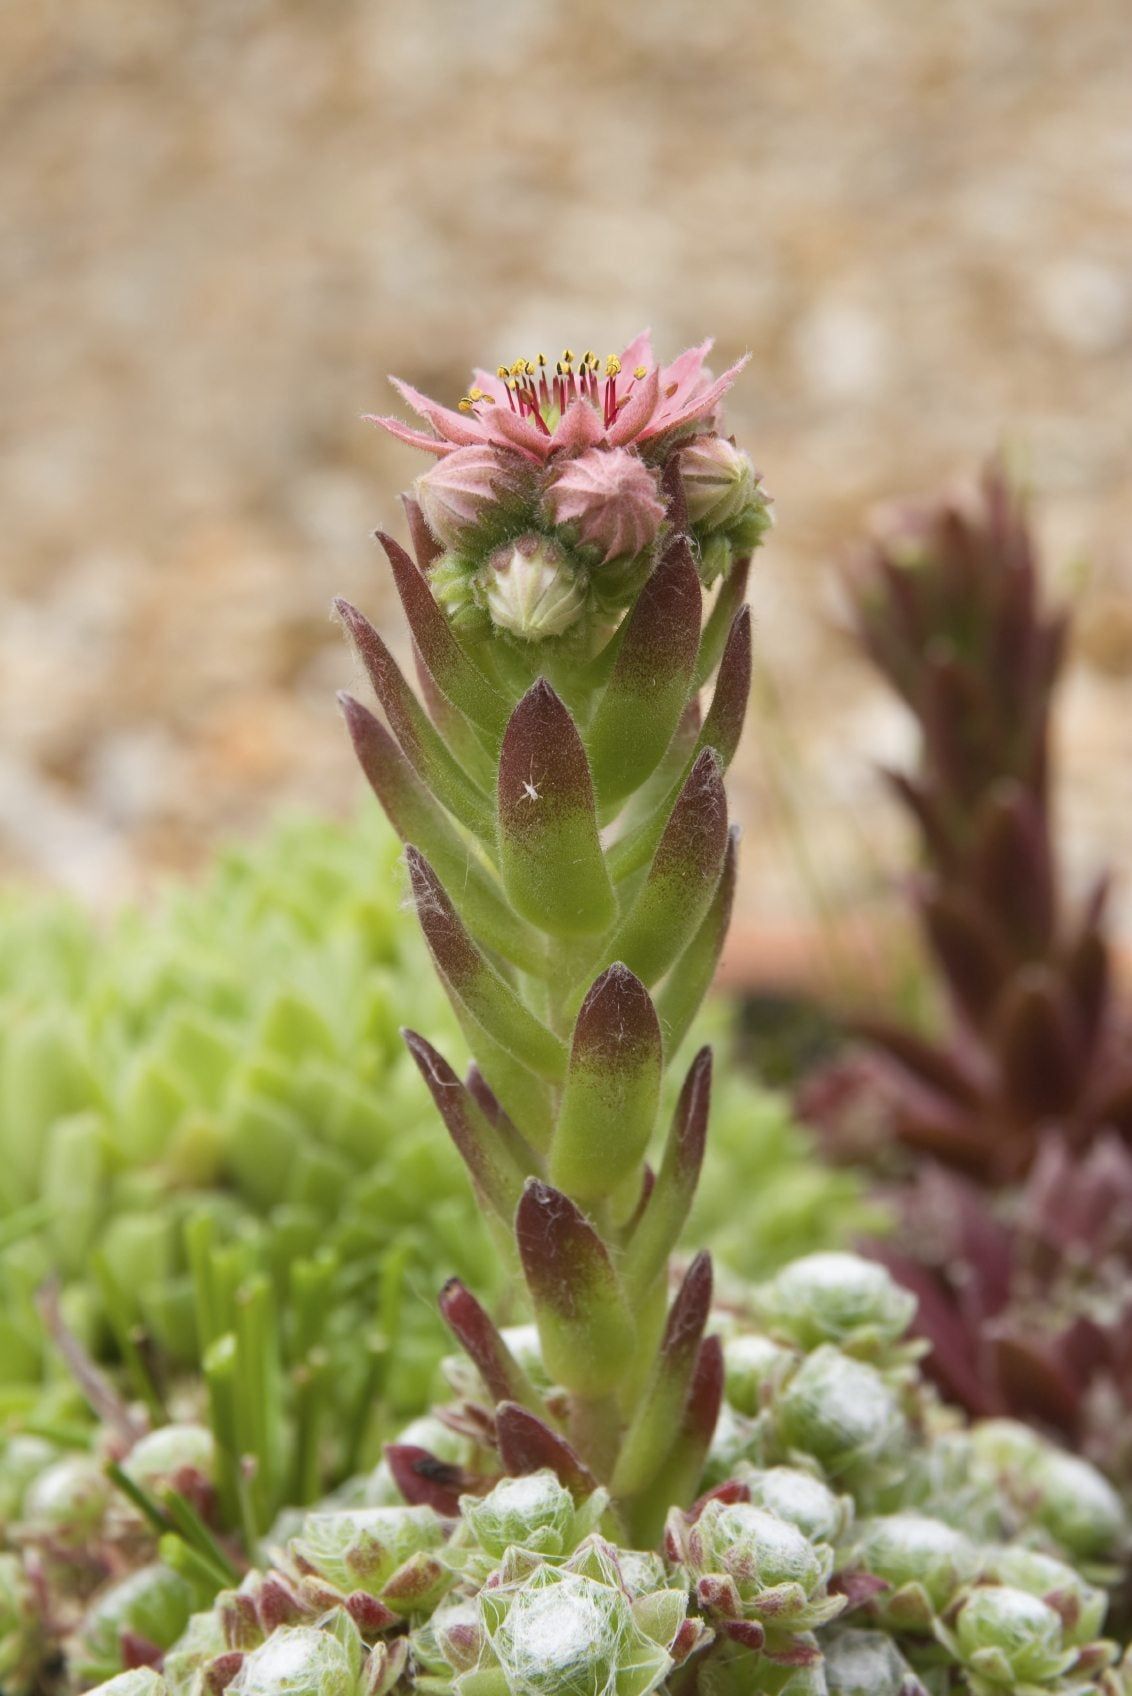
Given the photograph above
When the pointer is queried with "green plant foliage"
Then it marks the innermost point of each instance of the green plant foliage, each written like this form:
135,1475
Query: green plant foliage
812,1565
233,1053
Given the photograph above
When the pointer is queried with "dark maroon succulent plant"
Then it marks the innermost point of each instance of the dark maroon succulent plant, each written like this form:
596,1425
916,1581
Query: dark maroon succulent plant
1016,1229
949,607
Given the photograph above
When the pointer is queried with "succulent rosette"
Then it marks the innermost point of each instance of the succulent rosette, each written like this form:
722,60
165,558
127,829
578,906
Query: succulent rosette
758,1577
921,1562
1007,1641
575,1630
868,1663
533,1516
838,1299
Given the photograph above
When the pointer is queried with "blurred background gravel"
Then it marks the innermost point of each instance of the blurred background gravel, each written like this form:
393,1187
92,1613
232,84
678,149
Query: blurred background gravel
226,220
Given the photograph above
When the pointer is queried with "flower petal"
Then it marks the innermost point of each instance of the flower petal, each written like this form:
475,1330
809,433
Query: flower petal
406,433
491,385
581,428
459,427
686,370
638,352
673,413
636,411
506,427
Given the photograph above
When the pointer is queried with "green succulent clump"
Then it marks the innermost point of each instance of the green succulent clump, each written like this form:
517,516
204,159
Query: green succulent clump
236,1053
804,1565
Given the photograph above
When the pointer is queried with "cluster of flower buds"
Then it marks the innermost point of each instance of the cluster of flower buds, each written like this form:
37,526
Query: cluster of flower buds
545,511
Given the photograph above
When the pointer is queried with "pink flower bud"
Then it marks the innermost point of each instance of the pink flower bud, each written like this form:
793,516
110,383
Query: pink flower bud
613,499
460,488
719,481
531,589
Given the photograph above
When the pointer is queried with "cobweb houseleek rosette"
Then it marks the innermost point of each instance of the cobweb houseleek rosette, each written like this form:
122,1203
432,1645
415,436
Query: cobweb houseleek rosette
562,803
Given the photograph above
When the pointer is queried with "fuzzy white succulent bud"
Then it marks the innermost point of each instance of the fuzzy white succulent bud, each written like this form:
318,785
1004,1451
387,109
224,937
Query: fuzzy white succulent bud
841,1411
565,1630
172,1449
150,1607
1081,1606
303,1661
531,588
868,1663
836,1298
923,1561
534,1513
720,483
139,1681
1007,1639
611,497
1066,1495
755,1367
68,1501
800,1499
750,1564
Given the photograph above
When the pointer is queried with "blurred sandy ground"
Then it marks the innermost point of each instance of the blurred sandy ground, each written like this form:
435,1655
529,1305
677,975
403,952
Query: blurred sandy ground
226,220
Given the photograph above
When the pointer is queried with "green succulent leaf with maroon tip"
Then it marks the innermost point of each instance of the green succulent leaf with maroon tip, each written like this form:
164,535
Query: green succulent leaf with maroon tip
549,851
419,740
680,996
472,981
647,692
721,730
720,620
683,1466
682,878
583,1319
421,823
723,725
425,545
526,1098
527,1444
493,1171
659,1413
612,1088
669,1203
480,1339
459,680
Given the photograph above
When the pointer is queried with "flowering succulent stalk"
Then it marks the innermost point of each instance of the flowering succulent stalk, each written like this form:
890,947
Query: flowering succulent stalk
562,804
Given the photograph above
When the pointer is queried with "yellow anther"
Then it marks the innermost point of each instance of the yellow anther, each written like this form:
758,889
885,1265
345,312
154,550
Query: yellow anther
567,356
541,359
519,368
502,371
613,366
475,394
465,405
589,358
487,400
528,368
640,370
